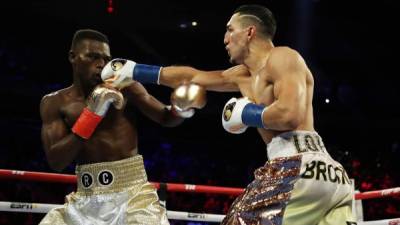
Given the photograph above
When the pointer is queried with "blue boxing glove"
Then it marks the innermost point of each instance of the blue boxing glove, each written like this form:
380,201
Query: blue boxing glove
120,73
238,114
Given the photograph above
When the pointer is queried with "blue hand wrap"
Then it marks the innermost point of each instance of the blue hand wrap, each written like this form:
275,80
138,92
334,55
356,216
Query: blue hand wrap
252,115
146,73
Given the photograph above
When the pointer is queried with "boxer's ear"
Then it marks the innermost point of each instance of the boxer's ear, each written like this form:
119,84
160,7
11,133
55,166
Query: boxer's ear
71,56
251,31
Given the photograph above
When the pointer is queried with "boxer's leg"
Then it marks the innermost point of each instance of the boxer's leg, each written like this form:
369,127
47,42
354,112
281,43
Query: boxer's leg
54,217
144,207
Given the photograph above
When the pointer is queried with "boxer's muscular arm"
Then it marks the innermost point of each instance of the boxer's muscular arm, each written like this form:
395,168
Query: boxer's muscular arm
222,80
60,144
288,72
150,106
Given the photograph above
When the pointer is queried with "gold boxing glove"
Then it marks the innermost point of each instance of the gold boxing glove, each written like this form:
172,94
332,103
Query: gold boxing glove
186,97
98,104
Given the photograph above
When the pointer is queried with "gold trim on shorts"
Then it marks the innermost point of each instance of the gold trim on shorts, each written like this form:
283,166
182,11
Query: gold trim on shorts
110,177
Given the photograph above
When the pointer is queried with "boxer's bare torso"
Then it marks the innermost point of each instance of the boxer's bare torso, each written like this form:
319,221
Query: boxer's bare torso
115,137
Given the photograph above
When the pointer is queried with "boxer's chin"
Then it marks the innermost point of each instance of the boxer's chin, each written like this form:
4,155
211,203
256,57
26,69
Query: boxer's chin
96,80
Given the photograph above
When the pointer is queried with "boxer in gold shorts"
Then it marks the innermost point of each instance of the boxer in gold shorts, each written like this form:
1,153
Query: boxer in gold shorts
91,124
300,184
114,192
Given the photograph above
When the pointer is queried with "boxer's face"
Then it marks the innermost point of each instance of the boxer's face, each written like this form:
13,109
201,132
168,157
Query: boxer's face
236,40
89,58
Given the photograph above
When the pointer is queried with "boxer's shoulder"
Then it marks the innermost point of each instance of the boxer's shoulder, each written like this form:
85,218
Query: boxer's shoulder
57,100
282,57
63,95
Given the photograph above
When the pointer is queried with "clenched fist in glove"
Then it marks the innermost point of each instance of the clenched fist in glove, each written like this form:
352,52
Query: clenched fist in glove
187,97
238,114
120,73
98,104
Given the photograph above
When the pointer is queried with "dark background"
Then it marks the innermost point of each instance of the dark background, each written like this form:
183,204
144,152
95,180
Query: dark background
350,46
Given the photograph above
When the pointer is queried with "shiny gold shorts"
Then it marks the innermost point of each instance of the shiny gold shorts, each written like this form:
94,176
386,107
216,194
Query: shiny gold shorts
110,193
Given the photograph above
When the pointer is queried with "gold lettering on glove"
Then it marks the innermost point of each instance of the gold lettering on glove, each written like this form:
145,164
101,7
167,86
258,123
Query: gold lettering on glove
228,111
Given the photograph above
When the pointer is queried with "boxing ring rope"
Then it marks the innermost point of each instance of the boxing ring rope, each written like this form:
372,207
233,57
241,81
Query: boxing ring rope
71,179
44,208
173,215
172,187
